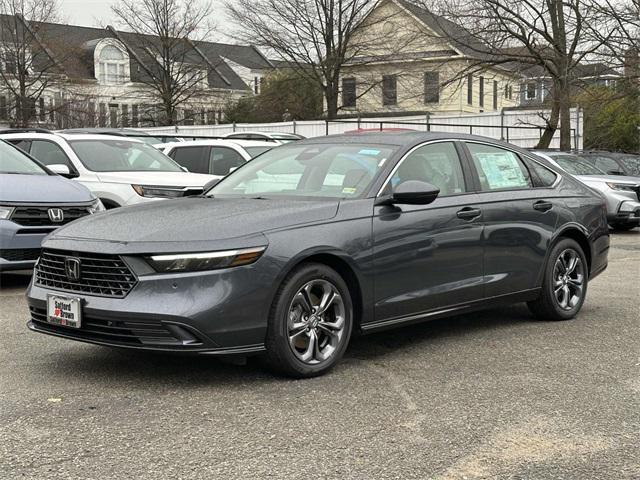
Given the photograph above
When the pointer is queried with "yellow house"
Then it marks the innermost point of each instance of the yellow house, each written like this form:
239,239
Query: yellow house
403,61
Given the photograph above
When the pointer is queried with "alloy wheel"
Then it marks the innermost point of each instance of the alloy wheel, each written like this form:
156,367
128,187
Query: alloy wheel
316,322
568,279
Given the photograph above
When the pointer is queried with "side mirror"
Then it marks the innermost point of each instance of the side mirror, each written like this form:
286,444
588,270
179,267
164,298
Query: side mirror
414,192
210,184
61,169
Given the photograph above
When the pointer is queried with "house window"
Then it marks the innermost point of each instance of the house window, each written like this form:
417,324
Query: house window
102,115
4,114
112,65
531,91
432,87
495,95
470,89
348,92
256,85
389,90
481,100
125,115
113,115
41,114
134,116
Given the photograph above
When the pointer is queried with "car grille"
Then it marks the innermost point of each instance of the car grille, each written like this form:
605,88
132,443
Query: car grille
100,274
20,254
123,332
39,216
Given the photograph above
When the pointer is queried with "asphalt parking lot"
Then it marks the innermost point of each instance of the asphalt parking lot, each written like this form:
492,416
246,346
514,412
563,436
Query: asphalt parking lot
487,395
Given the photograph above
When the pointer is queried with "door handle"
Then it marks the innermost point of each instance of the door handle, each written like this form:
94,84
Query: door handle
543,206
468,213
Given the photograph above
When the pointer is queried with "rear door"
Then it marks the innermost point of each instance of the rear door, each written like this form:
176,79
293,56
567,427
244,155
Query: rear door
519,211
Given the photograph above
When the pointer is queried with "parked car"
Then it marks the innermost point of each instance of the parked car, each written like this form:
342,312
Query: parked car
379,231
217,157
614,163
118,170
622,193
118,132
34,202
276,137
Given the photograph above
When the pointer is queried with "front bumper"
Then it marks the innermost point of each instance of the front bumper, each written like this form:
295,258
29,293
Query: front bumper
20,245
628,212
219,312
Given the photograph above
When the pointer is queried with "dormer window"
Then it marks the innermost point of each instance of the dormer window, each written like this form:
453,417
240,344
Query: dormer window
112,63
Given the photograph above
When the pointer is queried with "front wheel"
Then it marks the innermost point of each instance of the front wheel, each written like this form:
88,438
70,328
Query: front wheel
564,286
310,322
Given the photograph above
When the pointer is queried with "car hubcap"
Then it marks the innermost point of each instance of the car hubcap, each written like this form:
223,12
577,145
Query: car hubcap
568,279
316,322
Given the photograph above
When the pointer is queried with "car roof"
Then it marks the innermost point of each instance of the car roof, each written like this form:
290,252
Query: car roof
217,142
69,136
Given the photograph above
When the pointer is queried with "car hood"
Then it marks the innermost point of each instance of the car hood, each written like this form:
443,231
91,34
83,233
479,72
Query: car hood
41,189
609,179
177,179
189,224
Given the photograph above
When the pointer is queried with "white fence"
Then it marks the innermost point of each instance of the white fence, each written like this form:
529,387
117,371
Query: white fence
519,127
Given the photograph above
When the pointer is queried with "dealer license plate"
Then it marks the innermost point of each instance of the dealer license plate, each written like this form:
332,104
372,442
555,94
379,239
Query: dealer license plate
64,311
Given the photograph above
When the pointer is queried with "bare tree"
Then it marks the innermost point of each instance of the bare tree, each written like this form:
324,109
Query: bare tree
162,43
553,36
314,37
27,66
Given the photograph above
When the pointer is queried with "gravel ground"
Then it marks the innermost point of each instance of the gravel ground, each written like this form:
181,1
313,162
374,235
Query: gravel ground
488,395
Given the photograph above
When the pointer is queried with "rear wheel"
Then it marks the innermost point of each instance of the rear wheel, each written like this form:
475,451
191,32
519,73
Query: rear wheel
565,283
310,322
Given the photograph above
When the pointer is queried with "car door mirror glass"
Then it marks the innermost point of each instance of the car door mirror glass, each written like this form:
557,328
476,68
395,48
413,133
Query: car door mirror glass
415,192
59,168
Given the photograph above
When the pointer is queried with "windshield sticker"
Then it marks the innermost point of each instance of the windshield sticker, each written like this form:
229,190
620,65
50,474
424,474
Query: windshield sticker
369,152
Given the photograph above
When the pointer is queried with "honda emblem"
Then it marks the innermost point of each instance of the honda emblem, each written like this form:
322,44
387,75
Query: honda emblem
56,215
72,268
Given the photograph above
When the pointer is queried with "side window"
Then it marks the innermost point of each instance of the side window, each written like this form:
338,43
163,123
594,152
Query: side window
193,159
499,169
49,153
437,164
543,177
223,160
607,165
23,145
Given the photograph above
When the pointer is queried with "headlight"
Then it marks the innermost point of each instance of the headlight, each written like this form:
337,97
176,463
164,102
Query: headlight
150,191
195,262
5,212
96,206
622,186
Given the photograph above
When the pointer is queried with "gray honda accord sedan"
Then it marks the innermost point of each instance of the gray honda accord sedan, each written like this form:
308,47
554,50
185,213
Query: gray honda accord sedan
312,242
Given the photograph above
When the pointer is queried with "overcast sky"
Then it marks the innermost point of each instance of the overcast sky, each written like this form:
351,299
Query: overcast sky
97,13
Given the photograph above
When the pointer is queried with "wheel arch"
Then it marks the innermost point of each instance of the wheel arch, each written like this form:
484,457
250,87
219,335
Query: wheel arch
343,265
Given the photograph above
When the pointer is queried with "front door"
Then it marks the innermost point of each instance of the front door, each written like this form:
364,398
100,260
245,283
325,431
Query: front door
428,257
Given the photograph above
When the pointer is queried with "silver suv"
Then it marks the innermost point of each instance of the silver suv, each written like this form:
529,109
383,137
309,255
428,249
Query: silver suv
622,193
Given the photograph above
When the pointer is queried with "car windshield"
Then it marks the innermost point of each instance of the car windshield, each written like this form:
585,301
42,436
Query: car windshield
255,151
631,164
13,160
122,155
322,170
577,166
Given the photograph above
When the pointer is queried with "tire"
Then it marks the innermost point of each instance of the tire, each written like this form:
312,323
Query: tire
623,227
562,293
294,325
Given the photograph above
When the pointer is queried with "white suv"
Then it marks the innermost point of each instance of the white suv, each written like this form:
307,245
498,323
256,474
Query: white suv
118,170
217,157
